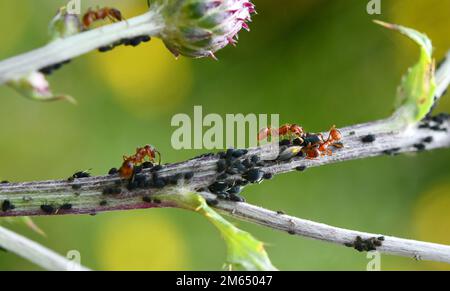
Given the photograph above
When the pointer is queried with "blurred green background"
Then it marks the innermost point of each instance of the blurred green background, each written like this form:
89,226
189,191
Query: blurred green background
314,62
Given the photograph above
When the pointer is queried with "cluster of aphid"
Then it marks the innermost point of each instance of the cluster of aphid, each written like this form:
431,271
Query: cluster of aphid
126,42
131,172
235,169
311,145
88,19
366,245
113,14
435,123
50,69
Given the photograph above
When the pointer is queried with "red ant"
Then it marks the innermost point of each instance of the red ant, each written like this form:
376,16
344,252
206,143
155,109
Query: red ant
287,129
127,169
92,16
316,149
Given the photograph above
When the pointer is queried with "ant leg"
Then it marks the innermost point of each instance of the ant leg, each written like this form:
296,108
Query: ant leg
159,157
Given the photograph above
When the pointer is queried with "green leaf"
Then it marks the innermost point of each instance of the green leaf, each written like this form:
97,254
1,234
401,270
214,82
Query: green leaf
243,250
416,92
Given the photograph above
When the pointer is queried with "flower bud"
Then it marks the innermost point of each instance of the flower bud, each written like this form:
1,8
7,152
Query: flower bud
64,24
199,28
36,87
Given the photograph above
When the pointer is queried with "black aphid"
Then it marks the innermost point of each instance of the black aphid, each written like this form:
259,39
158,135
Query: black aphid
132,184
368,138
113,171
7,205
50,69
301,168
234,190
137,169
366,245
147,165
229,154
239,166
47,208
156,168
247,163
105,48
285,142
236,198
391,152
419,146
212,202
188,175
297,141
66,206
173,180
221,166
218,186
255,159
242,182
428,139
239,153
147,199
267,176
81,175
159,183
253,175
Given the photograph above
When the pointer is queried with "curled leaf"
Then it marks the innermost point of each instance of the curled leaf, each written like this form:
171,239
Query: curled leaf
416,92
33,226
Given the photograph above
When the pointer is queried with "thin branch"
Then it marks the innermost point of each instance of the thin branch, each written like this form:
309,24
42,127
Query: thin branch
390,245
149,23
36,253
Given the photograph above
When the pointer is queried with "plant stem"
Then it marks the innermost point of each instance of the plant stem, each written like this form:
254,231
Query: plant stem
296,226
149,23
35,253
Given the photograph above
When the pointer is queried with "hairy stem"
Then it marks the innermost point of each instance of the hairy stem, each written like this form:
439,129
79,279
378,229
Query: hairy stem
149,23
